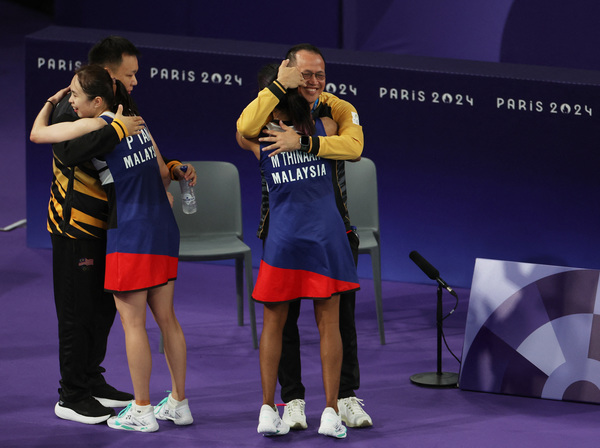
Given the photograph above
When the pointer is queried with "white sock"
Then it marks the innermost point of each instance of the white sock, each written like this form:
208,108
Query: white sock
141,410
174,403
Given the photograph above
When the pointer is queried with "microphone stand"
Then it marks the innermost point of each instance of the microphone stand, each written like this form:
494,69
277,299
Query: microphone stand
437,378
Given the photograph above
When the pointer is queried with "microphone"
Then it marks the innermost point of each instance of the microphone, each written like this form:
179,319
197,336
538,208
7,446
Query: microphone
430,271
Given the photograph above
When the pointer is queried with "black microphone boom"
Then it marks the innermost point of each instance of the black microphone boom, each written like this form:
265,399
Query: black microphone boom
438,378
429,270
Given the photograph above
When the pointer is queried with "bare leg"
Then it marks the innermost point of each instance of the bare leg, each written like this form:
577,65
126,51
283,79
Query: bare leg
132,309
327,315
274,317
160,301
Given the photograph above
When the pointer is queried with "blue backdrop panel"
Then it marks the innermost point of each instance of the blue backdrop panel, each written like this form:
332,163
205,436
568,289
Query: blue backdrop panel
474,159
532,330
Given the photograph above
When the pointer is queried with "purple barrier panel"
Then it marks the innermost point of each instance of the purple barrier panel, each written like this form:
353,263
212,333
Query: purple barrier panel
533,330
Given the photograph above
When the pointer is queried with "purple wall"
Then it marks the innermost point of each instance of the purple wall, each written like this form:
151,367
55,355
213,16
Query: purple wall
564,35
538,32
256,21
466,29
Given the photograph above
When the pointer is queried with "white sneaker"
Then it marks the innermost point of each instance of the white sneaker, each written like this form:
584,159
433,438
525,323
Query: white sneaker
331,424
135,418
176,411
353,414
293,414
269,422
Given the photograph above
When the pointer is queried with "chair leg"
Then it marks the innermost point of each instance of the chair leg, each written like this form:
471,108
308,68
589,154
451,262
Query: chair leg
250,287
161,344
376,263
239,289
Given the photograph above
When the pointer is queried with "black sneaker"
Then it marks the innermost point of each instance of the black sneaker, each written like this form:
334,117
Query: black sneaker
88,411
110,397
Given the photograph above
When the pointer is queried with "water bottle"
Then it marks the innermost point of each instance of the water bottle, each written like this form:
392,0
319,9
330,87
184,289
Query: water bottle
188,198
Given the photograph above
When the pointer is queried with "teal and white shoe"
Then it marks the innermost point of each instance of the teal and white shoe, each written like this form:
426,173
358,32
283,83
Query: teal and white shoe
270,423
135,418
176,411
331,424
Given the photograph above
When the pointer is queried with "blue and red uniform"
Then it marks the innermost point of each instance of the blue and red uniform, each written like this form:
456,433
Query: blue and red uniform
306,253
142,237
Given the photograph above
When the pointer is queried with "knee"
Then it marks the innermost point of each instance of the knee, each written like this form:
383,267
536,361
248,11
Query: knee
132,322
166,321
327,327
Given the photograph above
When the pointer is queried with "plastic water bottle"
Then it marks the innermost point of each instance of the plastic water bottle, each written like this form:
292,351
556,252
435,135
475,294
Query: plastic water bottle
188,198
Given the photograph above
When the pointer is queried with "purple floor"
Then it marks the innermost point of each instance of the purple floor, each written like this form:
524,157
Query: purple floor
223,377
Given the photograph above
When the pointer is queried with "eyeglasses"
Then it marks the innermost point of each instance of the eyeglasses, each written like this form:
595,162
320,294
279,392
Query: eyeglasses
320,76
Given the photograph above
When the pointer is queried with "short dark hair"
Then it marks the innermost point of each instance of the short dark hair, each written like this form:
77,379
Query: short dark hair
291,53
110,50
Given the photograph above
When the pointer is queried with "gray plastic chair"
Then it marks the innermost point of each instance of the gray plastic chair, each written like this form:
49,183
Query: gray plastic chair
361,185
214,232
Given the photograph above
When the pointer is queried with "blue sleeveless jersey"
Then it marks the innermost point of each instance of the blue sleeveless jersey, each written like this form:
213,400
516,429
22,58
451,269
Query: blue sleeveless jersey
306,252
142,238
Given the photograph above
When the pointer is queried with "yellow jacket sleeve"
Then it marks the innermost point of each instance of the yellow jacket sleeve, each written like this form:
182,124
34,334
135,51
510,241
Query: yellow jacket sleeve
347,145
258,113
349,142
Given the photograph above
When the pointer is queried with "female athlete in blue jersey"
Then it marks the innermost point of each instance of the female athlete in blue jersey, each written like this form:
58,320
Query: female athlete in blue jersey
142,237
305,256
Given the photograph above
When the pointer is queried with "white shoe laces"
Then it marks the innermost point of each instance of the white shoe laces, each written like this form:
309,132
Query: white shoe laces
294,406
354,405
